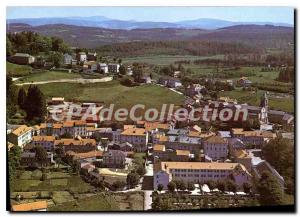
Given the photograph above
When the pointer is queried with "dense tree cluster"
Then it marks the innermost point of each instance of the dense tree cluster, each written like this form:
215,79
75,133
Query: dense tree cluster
269,190
283,58
33,43
279,152
13,161
11,101
190,47
287,74
33,102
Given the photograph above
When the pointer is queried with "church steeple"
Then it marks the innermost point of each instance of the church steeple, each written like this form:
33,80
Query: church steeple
264,104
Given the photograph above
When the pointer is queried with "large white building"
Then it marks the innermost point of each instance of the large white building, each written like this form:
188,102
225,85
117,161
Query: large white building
21,136
216,148
199,172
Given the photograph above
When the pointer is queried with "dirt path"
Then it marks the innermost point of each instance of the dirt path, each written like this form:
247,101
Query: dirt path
77,80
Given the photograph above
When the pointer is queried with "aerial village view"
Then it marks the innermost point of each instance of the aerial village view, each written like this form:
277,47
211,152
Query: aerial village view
113,109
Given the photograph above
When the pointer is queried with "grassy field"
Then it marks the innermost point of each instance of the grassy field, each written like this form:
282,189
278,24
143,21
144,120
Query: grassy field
163,60
15,70
56,181
48,76
253,98
94,203
64,192
113,92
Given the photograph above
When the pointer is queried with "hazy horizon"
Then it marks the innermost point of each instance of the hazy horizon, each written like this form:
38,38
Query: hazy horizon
160,14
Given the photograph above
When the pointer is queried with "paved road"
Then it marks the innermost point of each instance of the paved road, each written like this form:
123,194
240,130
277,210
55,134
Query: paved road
78,80
147,200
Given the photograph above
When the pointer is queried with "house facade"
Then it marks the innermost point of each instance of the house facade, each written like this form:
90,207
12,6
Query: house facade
199,172
81,57
113,68
92,66
73,128
67,59
138,137
47,142
21,136
76,145
216,148
22,59
114,159
102,67
255,138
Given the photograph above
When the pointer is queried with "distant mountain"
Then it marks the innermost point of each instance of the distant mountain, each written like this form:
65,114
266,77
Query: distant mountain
262,36
104,22
205,23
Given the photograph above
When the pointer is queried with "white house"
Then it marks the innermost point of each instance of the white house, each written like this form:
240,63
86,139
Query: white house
102,67
67,59
21,136
81,57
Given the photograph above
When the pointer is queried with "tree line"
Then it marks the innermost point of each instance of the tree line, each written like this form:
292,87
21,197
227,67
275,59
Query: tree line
33,43
190,47
287,74
32,101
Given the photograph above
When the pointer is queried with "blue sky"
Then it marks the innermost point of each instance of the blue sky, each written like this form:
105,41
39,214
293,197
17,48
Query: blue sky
166,14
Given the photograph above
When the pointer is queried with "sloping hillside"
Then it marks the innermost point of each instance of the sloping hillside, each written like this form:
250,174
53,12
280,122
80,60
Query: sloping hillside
91,37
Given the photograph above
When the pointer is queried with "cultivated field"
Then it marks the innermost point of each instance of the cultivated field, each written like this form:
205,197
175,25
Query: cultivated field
113,92
163,60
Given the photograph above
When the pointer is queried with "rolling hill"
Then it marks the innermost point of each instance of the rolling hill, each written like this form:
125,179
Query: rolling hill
261,36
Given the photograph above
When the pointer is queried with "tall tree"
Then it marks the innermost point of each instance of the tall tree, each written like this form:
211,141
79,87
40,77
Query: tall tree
160,187
13,161
279,152
247,187
22,98
132,179
137,73
122,70
9,47
171,186
56,58
10,97
41,155
35,105
269,190
221,186
231,186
